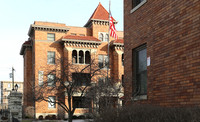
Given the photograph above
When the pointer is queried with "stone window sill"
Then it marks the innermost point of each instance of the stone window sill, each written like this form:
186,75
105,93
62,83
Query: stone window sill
140,97
138,6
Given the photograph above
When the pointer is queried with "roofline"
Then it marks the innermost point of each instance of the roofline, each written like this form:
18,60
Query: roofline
23,48
86,25
85,41
54,28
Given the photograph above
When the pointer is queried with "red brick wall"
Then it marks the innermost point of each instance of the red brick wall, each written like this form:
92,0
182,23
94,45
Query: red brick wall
27,101
171,31
38,56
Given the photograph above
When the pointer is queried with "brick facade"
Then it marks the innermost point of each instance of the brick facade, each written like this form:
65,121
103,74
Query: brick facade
170,29
35,54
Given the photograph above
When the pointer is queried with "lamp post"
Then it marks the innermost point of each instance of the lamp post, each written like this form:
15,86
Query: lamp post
16,87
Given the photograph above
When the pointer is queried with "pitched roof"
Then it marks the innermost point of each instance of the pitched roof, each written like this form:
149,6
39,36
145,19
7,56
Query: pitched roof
84,38
100,13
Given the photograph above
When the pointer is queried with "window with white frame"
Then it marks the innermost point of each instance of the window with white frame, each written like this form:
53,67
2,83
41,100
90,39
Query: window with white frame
50,36
51,102
103,61
51,79
40,78
50,57
103,36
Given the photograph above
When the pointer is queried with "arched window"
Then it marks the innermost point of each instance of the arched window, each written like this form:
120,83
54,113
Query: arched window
87,57
123,59
107,37
101,36
81,57
74,56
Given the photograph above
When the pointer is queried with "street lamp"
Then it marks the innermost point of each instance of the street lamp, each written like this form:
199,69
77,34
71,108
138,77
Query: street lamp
16,87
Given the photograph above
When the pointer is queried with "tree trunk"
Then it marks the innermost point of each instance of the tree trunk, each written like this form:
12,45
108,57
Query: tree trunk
70,115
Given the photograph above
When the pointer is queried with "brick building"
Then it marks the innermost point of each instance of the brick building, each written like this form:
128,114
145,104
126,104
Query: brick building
48,40
6,87
162,52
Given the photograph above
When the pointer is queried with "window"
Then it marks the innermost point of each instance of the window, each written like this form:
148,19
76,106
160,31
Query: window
18,85
107,37
123,59
102,81
51,57
103,36
87,57
81,34
103,61
51,102
51,36
122,80
81,79
74,34
81,57
140,70
74,56
137,4
40,78
81,102
9,85
51,79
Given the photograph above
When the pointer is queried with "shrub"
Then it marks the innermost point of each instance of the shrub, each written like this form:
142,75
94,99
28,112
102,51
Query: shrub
40,117
4,118
53,117
47,117
147,113
74,117
81,117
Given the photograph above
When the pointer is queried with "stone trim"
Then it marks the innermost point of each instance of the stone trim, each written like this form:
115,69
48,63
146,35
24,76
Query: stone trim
81,43
44,114
118,46
140,97
98,22
47,28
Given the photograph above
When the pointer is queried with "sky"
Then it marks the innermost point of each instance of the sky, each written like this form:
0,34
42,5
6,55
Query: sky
16,16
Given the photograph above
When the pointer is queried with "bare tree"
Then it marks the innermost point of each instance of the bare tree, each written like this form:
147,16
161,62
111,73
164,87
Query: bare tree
105,94
65,80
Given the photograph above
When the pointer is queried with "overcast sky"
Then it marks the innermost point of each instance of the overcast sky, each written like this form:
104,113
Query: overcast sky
17,15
